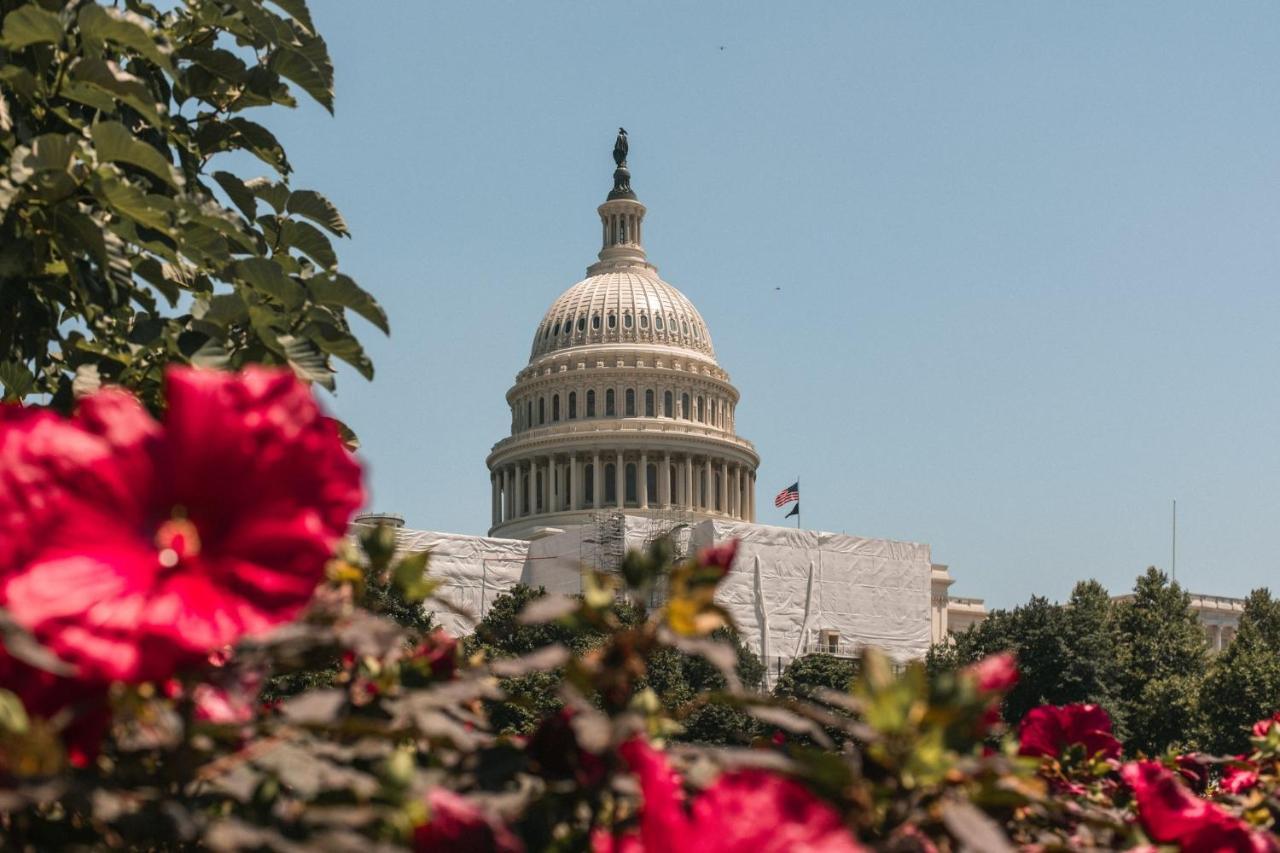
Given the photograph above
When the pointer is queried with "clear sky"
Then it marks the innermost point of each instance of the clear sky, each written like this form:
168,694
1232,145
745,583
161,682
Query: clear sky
997,277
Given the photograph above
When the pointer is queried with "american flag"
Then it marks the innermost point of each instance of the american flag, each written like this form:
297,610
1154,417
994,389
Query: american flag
787,495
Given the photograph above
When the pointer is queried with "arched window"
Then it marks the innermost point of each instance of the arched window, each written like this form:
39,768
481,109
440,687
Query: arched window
528,414
716,494
609,407
589,485
715,413
644,320
668,407
684,327
610,485
626,320
556,330
648,403
555,407
613,321
657,322
631,497
702,411
651,483
573,404
542,410
631,402
591,403
595,322
582,323
684,407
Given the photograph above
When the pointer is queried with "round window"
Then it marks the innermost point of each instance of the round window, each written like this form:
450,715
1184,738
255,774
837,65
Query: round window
626,320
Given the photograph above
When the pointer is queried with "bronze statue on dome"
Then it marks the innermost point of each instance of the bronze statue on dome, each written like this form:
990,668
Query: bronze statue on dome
620,148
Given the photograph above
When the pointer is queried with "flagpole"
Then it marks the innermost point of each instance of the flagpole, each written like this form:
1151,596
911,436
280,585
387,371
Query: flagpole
797,503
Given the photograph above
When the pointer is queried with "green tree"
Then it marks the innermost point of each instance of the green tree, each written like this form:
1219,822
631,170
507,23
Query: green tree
1089,646
124,246
805,674
1160,661
1243,682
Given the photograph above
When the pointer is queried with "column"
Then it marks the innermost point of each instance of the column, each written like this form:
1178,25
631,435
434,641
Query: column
642,481
708,489
508,494
619,480
664,482
520,493
575,487
493,499
739,504
557,490
598,486
751,494
724,489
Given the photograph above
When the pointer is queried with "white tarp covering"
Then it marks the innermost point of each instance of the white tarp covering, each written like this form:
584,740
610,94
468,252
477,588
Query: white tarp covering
474,569
787,586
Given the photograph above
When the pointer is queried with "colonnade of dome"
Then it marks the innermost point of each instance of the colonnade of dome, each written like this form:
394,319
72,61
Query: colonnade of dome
623,405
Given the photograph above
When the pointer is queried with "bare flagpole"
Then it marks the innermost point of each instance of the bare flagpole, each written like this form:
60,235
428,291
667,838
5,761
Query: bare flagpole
1174,555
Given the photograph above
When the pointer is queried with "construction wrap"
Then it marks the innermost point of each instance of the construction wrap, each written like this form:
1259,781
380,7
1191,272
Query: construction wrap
474,570
790,592
793,592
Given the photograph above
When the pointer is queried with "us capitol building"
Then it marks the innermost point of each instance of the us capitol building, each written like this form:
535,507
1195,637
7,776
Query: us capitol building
623,429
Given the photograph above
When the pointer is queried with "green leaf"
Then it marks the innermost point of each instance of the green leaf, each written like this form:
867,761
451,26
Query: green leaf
114,143
121,85
342,291
18,381
146,209
309,240
127,29
219,62
259,142
266,276
297,9
30,25
50,152
319,210
239,194
307,361
13,717
276,195
297,66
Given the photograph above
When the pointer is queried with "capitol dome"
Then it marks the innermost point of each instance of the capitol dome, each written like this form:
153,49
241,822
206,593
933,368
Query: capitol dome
622,406
622,306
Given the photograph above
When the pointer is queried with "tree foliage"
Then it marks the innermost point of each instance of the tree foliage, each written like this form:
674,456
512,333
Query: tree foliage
806,674
1243,682
126,243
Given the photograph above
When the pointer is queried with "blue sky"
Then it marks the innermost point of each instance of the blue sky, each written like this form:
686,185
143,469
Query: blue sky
1027,255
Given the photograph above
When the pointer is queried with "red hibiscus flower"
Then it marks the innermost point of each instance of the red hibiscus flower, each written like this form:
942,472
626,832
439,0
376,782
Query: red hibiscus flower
1263,727
1193,771
719,556
745,810
1049,730
996,673
138,547
1237,778
437,654
456,825
1171,814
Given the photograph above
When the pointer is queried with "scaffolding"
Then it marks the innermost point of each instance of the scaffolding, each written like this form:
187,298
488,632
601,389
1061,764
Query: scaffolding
604,541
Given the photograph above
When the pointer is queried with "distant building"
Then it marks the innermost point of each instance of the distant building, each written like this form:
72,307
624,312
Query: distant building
623,430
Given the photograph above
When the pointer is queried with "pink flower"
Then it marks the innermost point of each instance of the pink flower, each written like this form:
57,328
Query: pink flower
135,548
995,674
456,825
1237,778
1263,727
744,810
437,654
719,556
1049,730
1171,814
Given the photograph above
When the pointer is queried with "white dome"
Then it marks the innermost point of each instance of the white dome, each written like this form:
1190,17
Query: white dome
630,305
